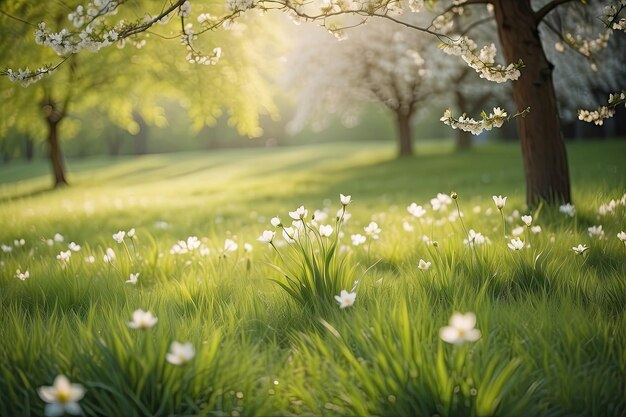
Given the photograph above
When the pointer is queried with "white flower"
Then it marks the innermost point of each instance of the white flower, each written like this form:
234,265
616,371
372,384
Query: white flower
622,236
299,214
358,239
517,231
109,256
516,244
64,256
6,248
415,210
247,247
580,249
73,247
535,229
119,236
230,246
345,199
19,243
131,233
326,230
180,353
62,397
267,236
193,243
133,278
345,299
90,259
500,201
142,320
596,231
527,220
22,275
58,238
372,230
474,238
184,10
275,221
461,329
568,209
408,227
423,265
437,204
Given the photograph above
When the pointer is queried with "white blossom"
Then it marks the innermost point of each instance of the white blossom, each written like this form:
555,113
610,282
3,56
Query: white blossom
142,320
483,60
345,299
267,236
516,244
462,328
415,210
62,397
180,353
568,209
423,265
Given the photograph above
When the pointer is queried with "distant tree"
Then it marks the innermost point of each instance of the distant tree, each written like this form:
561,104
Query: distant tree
379,62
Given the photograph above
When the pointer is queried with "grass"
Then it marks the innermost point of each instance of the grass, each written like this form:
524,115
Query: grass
553,323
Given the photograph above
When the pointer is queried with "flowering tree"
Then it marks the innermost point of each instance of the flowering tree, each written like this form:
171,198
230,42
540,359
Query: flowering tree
51,107
379,62
518,29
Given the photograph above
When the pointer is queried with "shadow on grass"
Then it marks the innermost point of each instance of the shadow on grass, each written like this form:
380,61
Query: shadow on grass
28,194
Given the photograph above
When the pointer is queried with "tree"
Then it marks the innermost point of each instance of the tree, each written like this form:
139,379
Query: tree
52,107
379,62
543,149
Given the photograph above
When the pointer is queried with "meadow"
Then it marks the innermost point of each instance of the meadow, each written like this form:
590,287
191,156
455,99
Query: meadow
266,335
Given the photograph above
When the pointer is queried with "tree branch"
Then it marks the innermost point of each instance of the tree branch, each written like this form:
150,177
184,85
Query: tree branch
543,12
17,18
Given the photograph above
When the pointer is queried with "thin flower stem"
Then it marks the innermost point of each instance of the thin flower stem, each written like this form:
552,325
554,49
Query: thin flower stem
354,288
503,224
130,258
458,210
470,242
276,249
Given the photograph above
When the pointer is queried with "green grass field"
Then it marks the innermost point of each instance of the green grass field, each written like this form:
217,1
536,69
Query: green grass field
552,322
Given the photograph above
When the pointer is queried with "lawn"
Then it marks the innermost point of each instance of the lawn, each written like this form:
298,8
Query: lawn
267,334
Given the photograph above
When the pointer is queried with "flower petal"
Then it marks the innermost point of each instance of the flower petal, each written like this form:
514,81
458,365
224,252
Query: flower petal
450,335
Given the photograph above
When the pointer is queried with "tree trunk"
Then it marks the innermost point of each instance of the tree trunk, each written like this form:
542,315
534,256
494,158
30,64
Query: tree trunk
29,148
56,157
543,148
463,138
403,125
141,138
53,116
